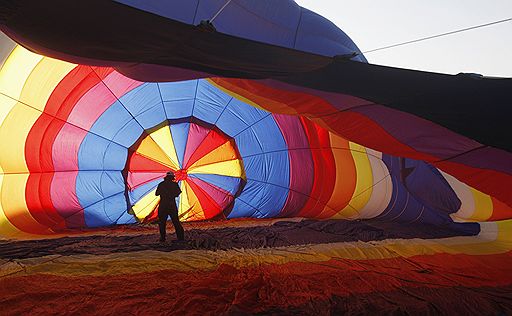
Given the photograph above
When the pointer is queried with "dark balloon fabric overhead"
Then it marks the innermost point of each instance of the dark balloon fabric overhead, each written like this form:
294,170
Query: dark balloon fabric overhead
274,114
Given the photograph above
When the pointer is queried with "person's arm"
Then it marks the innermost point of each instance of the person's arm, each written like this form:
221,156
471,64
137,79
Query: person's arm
177,190
157,190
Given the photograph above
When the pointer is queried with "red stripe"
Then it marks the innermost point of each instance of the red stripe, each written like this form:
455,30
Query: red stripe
34,194
220,196
212,141
37,201
140,163
38,146
500,210
209,207
324,168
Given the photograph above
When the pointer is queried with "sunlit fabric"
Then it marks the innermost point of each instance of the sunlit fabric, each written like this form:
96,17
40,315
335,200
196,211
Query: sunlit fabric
89,146
282,23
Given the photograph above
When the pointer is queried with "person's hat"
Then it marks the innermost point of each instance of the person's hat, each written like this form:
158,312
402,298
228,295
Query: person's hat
169,174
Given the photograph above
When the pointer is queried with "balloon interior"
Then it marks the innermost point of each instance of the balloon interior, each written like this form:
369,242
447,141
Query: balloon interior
272,114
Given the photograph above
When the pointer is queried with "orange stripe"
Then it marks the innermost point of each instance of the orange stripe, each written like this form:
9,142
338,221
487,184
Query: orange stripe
500,210
346,177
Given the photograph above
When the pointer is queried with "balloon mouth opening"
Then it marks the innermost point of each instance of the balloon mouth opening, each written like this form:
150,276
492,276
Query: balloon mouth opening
179,147
180,175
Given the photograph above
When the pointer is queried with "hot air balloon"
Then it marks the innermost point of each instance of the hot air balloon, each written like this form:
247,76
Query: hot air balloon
400,112
99,143
262,110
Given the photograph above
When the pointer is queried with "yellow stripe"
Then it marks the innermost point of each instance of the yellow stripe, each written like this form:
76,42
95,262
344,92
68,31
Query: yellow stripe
16,70
13,75
12,196
38,87
42,81
6,228
193,210
382,186
483,206
184,206
231,168
222,153
31,78
13,134
504,233
150,149
146,205
364,183
235,95
163,139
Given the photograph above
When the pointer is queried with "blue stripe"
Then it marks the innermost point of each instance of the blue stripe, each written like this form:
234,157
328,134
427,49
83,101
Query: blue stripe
96,153
229,184
179,133
210,102
105,212
142,190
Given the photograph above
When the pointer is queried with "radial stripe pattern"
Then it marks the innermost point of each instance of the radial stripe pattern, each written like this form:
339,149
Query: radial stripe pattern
156,154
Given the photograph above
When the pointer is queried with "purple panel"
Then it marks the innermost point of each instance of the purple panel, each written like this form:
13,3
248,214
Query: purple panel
411,203
420,134
487,158
406,128
159,73
428,186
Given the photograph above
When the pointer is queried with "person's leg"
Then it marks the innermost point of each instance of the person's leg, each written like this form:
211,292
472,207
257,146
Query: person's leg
180,232
162,223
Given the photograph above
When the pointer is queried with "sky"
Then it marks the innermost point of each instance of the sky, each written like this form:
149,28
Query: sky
375,23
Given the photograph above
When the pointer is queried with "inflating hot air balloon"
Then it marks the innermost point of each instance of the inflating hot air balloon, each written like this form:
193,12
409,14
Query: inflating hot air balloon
89,147
267,111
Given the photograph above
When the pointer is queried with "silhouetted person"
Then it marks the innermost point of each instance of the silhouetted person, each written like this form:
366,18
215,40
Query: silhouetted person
168,190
